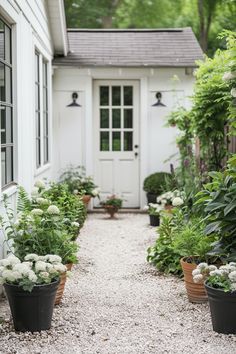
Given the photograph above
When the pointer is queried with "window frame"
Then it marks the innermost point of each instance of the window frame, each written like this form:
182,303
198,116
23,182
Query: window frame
8,103
44,148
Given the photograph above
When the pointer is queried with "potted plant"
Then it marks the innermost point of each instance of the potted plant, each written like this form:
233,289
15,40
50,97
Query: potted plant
154,213
171,199
193,246
220,285
112,204
42,231
31,287
80,184
154,185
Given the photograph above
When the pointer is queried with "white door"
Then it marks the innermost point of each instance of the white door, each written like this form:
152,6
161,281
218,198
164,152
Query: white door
116,137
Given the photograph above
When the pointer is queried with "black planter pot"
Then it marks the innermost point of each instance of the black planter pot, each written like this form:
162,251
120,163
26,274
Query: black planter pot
151,198
154,220
223,310
32,311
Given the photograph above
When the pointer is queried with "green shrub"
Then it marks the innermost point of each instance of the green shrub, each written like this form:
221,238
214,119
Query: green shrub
155,183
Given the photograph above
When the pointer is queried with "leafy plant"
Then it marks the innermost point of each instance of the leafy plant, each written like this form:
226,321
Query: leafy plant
153,209
112,201
219,200
155,183
78,182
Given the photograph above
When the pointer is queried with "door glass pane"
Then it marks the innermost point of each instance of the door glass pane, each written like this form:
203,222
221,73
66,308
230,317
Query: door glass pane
128,118
128,95
9,164
104,95
116,141
116,118
104,118
116,95
128,141
2,44
2,83
104,141
8,126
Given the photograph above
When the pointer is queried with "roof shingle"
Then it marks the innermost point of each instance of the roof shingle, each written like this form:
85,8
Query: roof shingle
132,48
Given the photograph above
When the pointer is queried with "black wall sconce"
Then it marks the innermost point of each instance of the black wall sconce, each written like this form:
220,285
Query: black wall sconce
74,98
158,103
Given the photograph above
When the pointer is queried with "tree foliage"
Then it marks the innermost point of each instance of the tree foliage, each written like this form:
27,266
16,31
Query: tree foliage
206,17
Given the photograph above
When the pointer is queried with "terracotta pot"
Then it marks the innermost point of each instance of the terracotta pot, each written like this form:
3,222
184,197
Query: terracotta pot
61,286
168,208
111,209
86,199
196,292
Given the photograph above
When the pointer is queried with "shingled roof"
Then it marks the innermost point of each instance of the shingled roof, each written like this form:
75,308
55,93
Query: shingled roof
131,48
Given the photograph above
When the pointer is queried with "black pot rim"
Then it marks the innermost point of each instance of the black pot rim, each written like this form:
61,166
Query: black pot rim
35,286
218,289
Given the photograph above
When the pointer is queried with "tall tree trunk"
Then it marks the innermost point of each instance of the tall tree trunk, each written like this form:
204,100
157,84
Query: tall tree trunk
107,20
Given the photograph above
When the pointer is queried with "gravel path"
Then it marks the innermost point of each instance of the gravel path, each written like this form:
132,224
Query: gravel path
116,303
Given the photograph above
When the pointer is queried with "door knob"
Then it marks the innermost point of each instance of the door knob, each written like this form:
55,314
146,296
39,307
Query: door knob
136,146
135,154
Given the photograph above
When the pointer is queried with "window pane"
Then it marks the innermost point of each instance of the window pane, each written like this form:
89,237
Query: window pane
2,44
9,164
128,141
128,95
3,124
104,118
128,118
45,74
116,95
116,118
8,84
7,44
104,95
2,83
104,141
36,67
116,141
3,166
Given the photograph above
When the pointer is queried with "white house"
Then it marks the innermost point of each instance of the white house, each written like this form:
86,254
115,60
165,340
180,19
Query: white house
117,132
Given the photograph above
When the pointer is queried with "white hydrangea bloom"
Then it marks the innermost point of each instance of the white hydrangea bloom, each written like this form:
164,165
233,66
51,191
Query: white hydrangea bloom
146,207
229,76
198,278
177,201
31,257
233,92
232,276
44,275
202,266
53,210
212,267
40,266
95,192
35,192
37,211
75,191
60,267
217,272
13,260
5,262
42,201
22,268
52,258
233,264
32,276
196,272
40,184
75,224
9,275
233,286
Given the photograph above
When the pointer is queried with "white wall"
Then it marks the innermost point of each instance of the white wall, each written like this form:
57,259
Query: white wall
73,127
30,28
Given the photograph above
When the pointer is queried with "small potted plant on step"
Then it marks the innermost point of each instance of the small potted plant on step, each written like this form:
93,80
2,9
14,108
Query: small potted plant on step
154,184
112,204
154,211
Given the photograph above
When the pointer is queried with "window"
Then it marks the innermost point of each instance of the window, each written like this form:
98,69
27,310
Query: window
6,105
116,118
41,110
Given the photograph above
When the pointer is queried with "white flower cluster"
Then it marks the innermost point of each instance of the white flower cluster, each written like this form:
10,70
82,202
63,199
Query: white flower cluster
33,270
229,76
75,224
225,272
233,92
53,210
175,198
95,192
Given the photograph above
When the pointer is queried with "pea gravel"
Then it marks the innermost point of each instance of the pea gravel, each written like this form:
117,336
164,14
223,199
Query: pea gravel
116,303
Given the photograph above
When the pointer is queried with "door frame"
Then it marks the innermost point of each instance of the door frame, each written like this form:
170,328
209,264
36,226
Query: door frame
110,81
